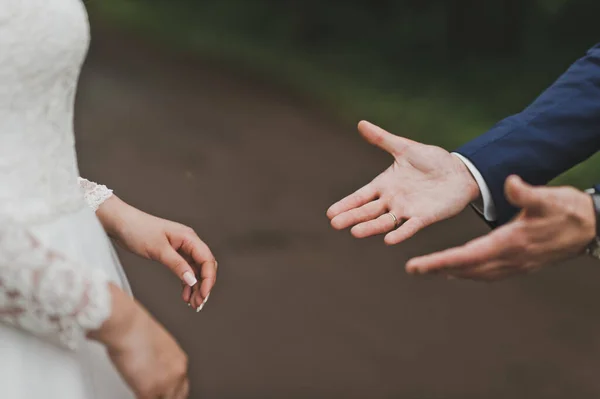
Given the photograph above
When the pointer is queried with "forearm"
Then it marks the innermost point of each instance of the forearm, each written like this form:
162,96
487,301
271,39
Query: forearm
109,208
111,215
113,328
557,131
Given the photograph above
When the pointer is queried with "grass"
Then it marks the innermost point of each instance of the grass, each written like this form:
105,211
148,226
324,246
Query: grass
425,100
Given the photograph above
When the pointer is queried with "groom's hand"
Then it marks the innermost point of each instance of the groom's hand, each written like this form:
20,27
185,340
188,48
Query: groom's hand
554,224
424,185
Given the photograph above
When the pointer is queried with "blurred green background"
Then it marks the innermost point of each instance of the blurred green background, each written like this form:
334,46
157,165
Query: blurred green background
436,71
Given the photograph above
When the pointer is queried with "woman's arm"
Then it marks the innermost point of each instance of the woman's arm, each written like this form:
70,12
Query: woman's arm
46,294
172,244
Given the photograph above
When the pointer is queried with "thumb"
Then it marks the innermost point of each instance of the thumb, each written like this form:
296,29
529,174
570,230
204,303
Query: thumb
382,138
170,258
521,194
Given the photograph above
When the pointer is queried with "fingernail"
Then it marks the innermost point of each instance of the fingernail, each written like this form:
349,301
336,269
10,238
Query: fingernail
203,303
189,279
189,304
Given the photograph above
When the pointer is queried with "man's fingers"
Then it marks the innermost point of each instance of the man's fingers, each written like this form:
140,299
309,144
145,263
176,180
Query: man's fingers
404,232
358,215
490,271
382,224
383,139
360,197
175,262
476,252
523,195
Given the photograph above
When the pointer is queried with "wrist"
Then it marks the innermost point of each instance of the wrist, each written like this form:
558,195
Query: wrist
592,205
470,183
112,215
595,198
125,315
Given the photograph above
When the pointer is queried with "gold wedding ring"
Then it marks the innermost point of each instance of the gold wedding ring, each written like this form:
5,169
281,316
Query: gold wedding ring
397,222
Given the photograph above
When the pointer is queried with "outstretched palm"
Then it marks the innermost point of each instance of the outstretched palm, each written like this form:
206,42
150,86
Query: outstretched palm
424,185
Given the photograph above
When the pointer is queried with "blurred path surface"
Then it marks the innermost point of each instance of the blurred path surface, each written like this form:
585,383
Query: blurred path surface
302,311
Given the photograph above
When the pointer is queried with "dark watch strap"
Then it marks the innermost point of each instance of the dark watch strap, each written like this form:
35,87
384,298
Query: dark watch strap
596,199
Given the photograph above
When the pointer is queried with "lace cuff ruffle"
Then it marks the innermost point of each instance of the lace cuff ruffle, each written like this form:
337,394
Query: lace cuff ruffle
47,295
94,194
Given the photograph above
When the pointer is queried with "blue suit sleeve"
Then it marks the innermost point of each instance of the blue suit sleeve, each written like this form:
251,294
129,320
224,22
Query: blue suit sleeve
560,129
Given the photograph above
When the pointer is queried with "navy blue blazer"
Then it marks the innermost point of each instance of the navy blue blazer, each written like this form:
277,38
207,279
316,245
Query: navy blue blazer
560,129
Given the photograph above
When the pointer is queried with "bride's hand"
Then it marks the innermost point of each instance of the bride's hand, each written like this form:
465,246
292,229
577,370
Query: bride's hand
144,353
424,185
174,245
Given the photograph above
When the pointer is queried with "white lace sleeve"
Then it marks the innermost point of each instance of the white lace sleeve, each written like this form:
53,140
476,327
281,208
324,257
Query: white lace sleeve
44,293
95,194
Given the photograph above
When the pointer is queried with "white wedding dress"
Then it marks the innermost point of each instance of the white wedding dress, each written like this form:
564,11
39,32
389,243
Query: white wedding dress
55,258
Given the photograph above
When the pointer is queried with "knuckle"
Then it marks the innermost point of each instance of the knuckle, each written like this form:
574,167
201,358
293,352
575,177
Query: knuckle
520,240
190,234
181,368
162,255
360,197
186,231
527,247
180,372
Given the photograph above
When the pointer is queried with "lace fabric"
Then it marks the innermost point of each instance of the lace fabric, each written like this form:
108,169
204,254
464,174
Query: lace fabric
94,194
46,294
55,262
43,47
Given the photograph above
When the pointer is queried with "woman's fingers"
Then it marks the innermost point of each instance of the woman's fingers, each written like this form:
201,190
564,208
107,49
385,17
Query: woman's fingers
208,274
179,391
201,292
205,265
186,293
195,298
184,390
177,264
358,215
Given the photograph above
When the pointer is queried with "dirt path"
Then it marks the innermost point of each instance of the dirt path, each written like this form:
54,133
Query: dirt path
302,311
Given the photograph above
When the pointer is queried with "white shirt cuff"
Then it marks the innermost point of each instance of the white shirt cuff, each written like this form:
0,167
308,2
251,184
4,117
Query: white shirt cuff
487,208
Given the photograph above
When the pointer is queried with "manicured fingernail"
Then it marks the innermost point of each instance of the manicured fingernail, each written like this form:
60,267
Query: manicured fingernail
203,303
189,279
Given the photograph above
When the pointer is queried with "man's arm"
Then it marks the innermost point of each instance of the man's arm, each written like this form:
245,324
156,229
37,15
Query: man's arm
557,131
